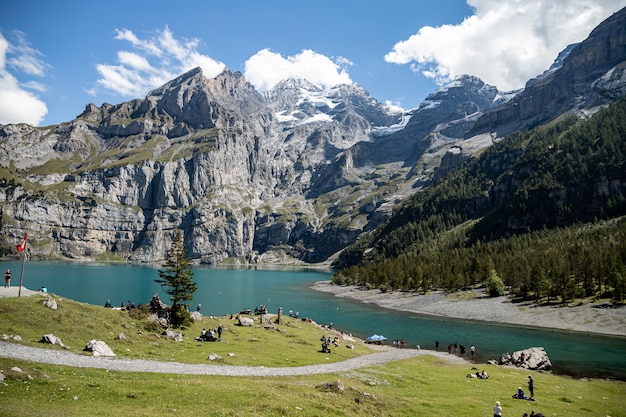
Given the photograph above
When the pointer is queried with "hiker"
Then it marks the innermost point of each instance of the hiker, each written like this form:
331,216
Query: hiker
531,386
219,332
7,278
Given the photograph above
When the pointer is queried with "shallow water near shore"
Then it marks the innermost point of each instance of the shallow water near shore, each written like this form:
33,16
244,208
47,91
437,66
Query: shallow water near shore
223,291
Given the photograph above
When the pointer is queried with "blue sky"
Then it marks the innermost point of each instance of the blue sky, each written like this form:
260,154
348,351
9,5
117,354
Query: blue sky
58,56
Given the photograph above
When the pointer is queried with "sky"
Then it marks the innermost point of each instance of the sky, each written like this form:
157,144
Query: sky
58,56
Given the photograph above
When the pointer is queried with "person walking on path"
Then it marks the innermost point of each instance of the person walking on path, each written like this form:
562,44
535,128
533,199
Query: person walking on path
7,278
531,387
497,410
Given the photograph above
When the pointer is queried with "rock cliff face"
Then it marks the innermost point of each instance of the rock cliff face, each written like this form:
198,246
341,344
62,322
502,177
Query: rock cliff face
291,175
592,75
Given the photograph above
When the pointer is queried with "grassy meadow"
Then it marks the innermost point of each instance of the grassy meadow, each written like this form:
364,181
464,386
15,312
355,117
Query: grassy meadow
425,385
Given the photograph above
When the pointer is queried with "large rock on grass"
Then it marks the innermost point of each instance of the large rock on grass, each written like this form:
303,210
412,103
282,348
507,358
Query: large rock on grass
99,348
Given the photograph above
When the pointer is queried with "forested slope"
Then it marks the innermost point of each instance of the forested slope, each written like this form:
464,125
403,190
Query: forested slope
541,210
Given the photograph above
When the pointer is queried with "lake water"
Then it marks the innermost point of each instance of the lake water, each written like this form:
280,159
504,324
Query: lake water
227,291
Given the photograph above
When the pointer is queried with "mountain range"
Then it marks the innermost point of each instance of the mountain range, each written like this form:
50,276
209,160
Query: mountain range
291,175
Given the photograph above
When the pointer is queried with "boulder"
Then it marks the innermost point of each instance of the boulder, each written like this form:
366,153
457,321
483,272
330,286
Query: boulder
534,358
99,348
245,321
50,303
170,334
195,316
53,340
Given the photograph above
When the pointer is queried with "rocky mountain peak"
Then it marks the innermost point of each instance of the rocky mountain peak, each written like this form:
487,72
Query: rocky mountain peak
297,172
592,75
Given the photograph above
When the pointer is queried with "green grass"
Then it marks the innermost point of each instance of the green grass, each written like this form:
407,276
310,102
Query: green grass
422,386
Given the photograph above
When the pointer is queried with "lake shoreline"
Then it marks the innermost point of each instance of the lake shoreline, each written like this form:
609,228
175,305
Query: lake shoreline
475,305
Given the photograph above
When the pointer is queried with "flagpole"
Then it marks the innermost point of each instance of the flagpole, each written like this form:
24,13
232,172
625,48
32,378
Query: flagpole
19,292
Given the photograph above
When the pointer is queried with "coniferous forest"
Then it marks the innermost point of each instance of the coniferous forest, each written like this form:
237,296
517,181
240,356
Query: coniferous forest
541,213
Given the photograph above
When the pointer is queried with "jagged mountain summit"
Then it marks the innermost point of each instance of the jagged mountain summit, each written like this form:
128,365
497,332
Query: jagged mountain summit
294,174
590,76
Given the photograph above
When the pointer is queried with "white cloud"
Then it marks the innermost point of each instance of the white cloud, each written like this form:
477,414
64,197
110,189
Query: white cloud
505,42
266,68
17,105
151,63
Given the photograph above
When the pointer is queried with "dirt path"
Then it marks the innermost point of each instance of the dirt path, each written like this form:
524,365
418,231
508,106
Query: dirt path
58,357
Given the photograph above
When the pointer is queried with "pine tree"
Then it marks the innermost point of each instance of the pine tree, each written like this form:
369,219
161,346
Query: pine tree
176,280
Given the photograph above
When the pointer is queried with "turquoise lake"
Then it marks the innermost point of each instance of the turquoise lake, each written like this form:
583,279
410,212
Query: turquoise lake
224,291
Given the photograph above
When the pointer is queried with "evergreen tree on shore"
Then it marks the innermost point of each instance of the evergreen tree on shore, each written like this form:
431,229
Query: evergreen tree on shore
176,280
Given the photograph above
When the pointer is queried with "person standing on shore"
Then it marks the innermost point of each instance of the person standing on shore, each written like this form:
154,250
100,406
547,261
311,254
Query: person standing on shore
497,410
7,278
437,345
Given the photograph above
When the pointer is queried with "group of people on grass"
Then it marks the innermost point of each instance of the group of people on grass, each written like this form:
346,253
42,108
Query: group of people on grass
479,375
211,335
327,342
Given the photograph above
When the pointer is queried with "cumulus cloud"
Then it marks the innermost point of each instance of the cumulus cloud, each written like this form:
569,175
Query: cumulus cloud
152,62
17,104
505,42
266,68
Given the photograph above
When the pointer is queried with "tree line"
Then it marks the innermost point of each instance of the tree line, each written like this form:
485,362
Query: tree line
541,210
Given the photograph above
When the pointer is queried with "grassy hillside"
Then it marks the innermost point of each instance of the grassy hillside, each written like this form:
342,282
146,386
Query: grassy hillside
425,385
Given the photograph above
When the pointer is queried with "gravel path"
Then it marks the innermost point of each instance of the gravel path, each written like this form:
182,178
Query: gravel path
58,357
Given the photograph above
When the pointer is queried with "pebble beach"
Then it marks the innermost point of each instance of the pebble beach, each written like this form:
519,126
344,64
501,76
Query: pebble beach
586,317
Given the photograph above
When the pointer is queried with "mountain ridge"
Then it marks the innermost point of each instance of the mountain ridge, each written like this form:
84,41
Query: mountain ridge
291,175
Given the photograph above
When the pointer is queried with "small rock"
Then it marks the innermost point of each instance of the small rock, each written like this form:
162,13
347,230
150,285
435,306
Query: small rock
53,340
336,386
50,303
170,334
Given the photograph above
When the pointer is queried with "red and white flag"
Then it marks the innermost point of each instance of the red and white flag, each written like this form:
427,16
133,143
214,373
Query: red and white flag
21,247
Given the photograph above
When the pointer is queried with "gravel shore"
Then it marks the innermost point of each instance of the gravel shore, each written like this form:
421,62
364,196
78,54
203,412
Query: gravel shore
475,305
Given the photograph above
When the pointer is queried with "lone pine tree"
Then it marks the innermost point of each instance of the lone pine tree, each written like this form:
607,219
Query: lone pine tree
176,280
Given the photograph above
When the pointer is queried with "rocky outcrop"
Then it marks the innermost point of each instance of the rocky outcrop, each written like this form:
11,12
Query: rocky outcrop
592,75
534,358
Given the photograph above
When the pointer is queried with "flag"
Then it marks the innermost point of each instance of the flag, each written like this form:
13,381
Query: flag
21,247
